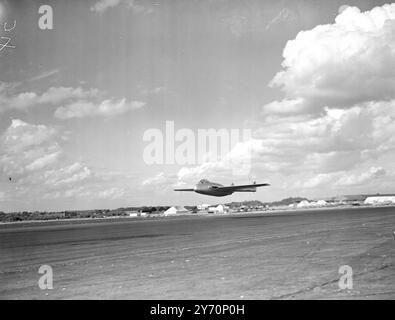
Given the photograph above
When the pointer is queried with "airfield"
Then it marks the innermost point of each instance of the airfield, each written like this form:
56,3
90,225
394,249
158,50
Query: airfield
268,255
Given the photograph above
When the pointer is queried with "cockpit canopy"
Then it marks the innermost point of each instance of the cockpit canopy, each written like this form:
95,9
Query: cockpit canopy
204,181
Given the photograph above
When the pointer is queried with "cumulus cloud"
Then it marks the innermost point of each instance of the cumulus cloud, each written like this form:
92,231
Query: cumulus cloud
372,173
339,139
344,178
77,102
207,169
252,19
340,64
86,193
285,107
103,5
26,147
158,179
69,174
112,193
327,150
40,170
24,100
32,155
319,180
284,15
236,163
155,91
337,115
136,6
81,109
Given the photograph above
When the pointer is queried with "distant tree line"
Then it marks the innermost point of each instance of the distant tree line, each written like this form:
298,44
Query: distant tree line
77,214
103,213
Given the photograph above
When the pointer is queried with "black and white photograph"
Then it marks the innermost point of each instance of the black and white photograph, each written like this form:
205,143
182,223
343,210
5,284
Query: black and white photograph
186,150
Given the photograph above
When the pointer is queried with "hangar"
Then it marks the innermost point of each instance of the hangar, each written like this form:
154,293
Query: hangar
380,200
176,210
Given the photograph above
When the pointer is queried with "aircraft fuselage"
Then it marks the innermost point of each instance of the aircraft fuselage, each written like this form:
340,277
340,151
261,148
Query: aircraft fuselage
210,189
218,190
214,189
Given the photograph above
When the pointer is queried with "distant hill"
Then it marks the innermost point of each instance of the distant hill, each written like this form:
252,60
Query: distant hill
251,203
254,203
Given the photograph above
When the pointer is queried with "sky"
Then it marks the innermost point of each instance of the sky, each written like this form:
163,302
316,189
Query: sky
313,81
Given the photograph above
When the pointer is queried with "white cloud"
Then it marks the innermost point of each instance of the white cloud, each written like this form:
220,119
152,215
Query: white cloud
364,177
236,163
284,107
338,114
136,6
86,193
103,5
43,161
242,20
112,193
344,178
319,180
81,109
54,95
154,91
325,149
26,147
340,64
205,170
77,102
284,15
70,174
35,160
333,160
44,75
160,178
339,139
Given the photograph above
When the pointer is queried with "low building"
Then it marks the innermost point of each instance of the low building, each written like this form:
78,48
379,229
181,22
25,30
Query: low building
321,203
176,210
380,200
132,213
203,206
312,204
218,209
303,204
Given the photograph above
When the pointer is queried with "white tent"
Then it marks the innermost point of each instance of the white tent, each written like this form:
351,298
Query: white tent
321,203
221,208
203,206
175,210
303,204
218,209
312,204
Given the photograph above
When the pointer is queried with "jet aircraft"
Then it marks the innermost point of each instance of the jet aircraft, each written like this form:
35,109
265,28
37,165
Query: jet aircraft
218,190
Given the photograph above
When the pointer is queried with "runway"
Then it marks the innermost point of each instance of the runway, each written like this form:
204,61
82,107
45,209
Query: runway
271,255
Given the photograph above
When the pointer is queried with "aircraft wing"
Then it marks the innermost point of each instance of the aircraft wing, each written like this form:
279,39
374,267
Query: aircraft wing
241,187
184,189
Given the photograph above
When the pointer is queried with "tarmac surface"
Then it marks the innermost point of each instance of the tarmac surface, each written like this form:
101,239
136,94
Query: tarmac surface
270,255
